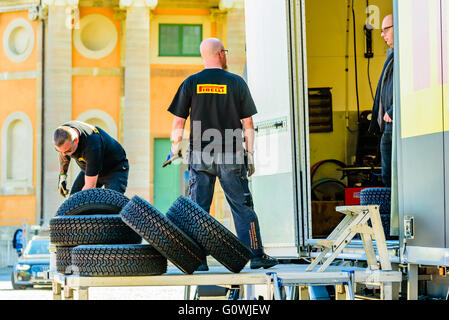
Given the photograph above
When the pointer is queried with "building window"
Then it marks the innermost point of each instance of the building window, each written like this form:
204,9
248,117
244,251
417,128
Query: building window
17,155
180,40
96,37
101,119
18,40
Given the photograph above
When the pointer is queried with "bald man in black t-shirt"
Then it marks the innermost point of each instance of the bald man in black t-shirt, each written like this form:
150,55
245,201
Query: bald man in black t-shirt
101,158
221,108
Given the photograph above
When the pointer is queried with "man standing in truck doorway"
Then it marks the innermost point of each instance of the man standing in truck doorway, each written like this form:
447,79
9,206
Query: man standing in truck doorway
382,114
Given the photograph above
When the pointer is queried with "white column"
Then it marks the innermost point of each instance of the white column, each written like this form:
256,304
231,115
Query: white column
39,110
57,94
236,38
136,116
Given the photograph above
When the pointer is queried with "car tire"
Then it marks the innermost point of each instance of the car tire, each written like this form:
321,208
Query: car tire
117,260
91,229
379,196
16,286
215,238
163,235
328,190
64,259
93,201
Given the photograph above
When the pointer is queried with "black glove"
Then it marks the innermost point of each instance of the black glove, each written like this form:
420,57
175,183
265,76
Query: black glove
62,185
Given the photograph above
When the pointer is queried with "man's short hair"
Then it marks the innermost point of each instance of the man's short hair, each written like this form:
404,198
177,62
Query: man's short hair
62,134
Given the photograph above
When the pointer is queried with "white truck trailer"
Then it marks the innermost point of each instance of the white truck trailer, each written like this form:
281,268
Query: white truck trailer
293,45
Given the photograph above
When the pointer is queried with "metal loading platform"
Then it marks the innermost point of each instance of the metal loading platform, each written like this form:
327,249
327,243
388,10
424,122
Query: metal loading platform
284,281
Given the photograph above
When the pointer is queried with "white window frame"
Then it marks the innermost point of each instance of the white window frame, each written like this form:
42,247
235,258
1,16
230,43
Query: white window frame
22,187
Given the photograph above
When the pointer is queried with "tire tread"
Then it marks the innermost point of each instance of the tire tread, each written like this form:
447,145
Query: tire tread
163,235
210,234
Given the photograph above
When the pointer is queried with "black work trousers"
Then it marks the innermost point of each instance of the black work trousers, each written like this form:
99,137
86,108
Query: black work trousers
385,154
116,180
234,181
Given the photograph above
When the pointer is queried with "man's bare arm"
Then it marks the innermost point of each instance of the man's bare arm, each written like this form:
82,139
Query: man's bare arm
90,182
248,132
64,162
177,133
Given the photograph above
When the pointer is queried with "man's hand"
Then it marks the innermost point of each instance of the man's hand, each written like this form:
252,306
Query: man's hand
251,167
90,182
387,118
62,185
171,157
175,148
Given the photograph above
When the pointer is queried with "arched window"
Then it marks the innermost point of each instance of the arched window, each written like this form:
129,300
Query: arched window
101,119
17,155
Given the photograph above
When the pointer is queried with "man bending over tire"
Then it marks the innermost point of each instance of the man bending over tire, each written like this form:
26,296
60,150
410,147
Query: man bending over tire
221,108
101,158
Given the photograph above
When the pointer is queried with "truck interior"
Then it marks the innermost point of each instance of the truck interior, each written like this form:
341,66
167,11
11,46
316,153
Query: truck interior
345,57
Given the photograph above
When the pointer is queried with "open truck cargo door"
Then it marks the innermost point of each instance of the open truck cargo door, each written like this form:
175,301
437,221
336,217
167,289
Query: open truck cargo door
276,78
423,144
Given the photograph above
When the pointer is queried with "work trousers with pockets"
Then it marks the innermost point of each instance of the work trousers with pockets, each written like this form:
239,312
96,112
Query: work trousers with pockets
385,154
233,179
116,180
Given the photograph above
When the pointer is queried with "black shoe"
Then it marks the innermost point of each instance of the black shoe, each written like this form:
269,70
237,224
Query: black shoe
263,261
203,266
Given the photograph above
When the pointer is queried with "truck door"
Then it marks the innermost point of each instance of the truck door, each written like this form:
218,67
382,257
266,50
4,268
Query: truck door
422,165
445,80
276,77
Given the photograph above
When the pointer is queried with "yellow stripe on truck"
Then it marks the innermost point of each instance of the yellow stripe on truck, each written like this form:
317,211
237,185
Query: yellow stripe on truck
420,71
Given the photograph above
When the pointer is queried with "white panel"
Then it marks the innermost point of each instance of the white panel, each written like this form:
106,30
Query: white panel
273,154
269,83
268,80
267,56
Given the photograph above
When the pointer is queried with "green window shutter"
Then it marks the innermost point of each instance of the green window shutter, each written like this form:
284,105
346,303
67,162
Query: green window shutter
191,40
169,40
178,40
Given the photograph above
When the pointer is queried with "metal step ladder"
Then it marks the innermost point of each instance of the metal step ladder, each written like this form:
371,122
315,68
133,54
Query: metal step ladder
356,221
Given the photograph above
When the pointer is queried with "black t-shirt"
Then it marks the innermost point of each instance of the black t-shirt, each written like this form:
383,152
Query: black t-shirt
219,100
97,152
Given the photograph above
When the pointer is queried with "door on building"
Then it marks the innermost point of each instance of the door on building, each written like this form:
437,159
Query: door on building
166,180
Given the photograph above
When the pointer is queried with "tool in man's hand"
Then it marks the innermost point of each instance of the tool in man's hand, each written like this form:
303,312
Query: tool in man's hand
62,185
172,157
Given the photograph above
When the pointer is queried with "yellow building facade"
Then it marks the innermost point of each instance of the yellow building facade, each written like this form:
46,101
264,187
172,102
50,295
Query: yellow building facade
115,64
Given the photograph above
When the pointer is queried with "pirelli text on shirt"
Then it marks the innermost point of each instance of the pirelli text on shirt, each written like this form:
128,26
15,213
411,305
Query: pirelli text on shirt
212,88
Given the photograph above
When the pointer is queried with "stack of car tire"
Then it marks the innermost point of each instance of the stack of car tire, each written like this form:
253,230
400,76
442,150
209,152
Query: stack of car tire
98,232
381,197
